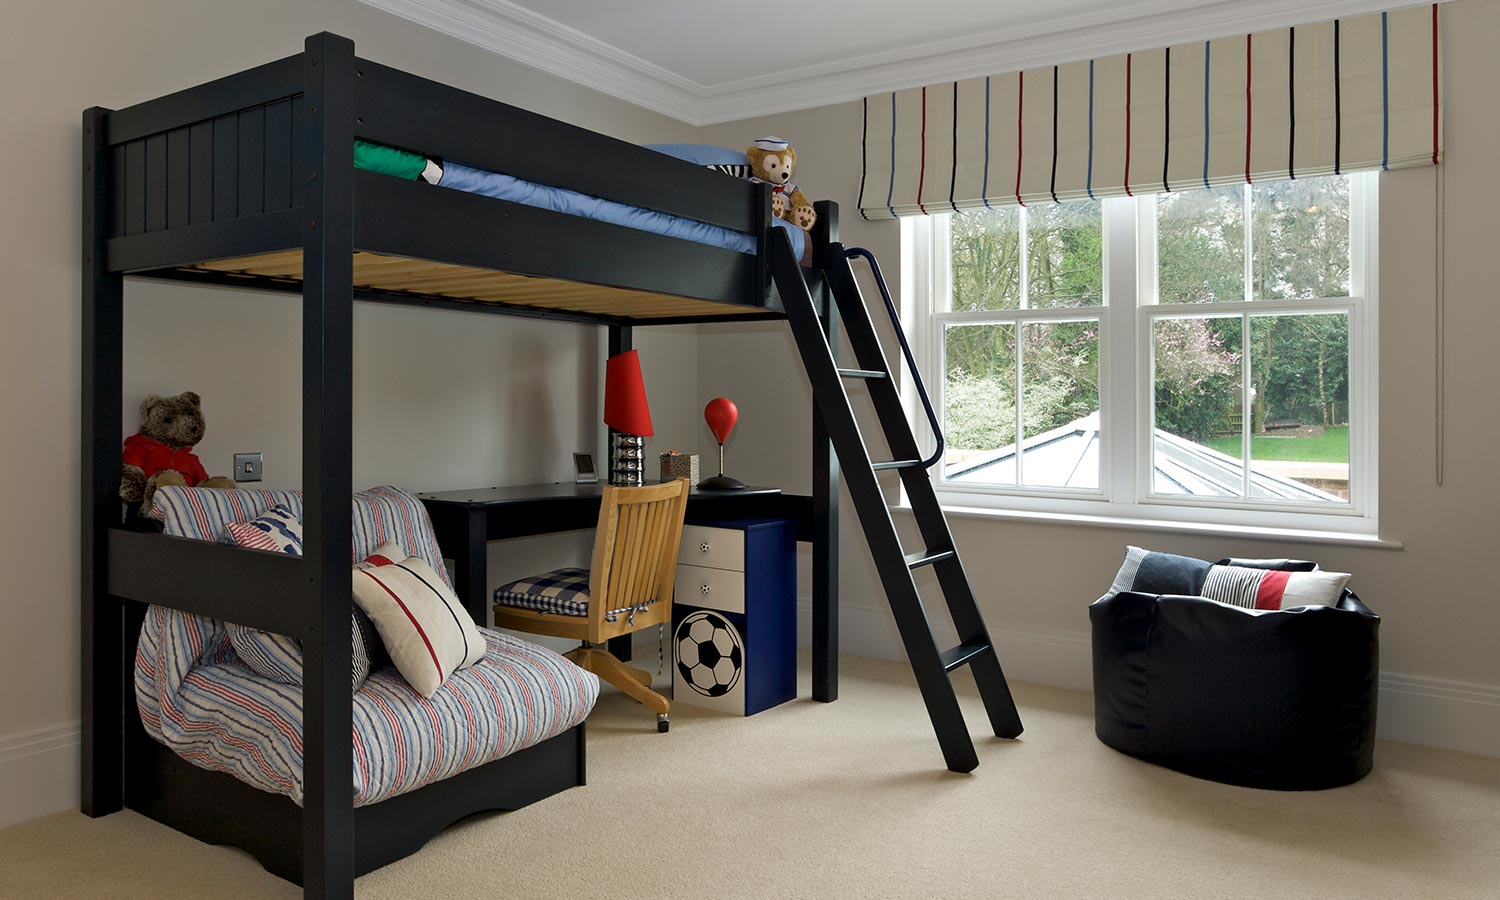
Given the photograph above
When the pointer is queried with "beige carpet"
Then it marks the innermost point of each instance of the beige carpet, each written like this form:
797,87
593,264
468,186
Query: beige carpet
850,800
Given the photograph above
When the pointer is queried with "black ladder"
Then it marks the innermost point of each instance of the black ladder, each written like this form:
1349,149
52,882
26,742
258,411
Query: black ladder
931,665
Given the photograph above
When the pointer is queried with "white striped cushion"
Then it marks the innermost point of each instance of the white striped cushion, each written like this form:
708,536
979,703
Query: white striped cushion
278,530
424,627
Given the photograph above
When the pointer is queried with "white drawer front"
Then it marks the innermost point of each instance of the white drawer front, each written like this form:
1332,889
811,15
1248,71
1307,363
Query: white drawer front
718,548
710,588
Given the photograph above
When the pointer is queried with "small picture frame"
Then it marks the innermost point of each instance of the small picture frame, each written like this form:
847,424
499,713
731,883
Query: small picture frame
583,469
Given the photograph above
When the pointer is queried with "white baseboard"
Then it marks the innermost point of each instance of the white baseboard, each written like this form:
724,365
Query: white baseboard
1436,712
38,772
39,769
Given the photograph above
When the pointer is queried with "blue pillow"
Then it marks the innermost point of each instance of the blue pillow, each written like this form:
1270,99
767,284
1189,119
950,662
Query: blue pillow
701,154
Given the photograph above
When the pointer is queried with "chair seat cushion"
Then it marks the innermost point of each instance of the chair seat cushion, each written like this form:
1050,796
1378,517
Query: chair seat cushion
561,592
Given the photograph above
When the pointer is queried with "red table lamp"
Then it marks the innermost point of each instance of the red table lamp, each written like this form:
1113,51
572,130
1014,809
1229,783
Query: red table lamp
721,414
626,413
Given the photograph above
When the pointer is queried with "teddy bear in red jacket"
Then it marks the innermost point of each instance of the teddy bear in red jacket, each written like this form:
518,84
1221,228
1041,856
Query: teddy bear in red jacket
161,453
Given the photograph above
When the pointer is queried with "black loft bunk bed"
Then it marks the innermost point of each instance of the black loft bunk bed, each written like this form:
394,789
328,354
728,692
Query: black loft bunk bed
248,181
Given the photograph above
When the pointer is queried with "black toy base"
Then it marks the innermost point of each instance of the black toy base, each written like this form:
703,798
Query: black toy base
721,483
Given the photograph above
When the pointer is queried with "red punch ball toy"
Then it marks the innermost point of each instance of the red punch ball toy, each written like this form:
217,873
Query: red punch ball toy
721,415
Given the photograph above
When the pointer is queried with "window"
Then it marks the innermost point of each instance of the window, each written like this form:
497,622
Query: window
1203,356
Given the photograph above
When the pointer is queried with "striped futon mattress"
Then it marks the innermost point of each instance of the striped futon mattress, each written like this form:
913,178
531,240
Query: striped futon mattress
197,698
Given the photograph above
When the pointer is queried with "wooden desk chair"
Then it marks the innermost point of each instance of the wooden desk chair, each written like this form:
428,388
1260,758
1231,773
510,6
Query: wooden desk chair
628,587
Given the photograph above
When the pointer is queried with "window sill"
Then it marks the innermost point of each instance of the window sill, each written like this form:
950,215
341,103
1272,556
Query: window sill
1260,533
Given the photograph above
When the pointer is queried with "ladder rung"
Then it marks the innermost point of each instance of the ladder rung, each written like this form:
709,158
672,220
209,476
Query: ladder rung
926,558
895,464
961,654
861,373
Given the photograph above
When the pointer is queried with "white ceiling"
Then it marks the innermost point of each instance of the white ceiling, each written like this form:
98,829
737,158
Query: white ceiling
705,61
718,41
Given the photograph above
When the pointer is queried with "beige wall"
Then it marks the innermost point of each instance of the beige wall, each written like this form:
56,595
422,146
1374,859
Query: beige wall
443,400
1442,675
486,400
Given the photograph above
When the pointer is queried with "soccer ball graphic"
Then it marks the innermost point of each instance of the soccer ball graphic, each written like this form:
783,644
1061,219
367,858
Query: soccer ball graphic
709,656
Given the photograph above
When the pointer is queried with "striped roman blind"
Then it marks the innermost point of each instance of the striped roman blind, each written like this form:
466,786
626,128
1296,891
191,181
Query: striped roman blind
1331,97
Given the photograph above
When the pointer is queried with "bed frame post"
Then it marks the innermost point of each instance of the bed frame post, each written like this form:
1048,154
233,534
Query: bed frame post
621,339
825,576
327,472
106,656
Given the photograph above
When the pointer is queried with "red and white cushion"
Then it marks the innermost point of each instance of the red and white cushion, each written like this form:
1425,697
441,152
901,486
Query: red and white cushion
1271,589
424,627
278,530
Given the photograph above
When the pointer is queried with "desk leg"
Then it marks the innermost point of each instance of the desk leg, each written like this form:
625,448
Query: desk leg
471,566
620,340
825,573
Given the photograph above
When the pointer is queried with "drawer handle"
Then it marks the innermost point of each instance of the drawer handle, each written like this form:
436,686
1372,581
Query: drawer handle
703,589
703,547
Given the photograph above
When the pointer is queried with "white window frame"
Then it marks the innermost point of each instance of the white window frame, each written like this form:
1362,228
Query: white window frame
1126,397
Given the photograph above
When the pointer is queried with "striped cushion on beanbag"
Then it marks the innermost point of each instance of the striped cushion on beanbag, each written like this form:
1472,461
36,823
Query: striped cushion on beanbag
1271,589
278,530
424,627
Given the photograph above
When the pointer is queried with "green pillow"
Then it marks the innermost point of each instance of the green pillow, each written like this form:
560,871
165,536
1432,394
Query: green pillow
388,160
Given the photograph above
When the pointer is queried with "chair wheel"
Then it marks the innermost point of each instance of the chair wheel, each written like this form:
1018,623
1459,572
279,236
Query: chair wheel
662,724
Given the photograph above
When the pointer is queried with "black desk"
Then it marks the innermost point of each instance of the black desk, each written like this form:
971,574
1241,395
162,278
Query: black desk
465,521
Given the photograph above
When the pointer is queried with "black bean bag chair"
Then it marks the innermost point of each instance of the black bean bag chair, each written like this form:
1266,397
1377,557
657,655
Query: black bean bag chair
1278,699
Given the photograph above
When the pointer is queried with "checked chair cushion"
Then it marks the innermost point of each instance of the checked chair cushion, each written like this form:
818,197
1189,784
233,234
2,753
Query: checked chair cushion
561,592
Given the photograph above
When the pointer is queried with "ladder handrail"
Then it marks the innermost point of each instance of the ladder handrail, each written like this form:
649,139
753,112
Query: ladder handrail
911,362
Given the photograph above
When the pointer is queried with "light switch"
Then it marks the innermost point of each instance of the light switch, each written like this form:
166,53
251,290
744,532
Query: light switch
248,466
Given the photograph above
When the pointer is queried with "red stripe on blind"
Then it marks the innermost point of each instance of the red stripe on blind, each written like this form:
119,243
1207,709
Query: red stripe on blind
1128,78
1247,107
1272,589
1020,134
413,619
1434,84
922,171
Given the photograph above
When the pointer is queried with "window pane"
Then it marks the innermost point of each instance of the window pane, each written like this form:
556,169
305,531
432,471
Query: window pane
1196,447
1065,255
1300,232
986,259
1060,404
979,407
1299,408
1200,246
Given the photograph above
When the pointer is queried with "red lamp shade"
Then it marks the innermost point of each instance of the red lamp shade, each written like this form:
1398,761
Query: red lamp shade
721,414
625,406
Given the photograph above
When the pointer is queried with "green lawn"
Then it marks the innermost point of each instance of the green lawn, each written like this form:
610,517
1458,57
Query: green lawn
1331,446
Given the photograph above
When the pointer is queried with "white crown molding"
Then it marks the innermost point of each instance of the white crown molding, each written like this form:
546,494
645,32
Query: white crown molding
513,31
518,33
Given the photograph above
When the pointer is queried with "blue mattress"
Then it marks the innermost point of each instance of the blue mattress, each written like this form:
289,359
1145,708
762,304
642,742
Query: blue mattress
460,177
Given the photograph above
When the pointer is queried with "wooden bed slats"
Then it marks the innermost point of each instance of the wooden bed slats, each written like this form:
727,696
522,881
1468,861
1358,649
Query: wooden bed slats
395,274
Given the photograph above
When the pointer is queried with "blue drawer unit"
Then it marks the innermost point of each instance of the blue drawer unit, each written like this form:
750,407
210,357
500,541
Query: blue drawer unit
734,616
